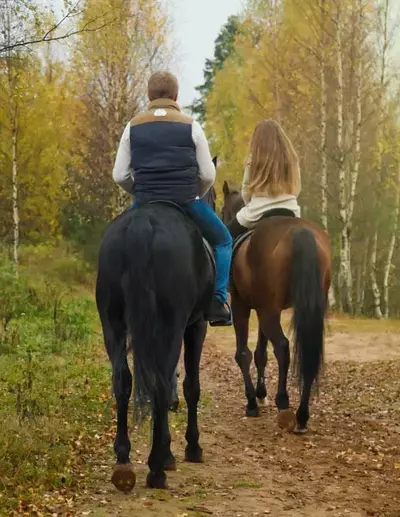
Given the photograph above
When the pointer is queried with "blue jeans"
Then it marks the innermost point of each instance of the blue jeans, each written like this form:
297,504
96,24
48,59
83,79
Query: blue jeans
217,234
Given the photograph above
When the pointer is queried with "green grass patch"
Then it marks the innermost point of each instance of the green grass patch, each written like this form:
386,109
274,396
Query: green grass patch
55,388
246,484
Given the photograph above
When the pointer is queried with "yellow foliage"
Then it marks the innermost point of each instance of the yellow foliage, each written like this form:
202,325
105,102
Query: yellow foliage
41,99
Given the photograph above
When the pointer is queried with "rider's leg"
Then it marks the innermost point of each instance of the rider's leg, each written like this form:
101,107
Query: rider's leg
236,229
219,238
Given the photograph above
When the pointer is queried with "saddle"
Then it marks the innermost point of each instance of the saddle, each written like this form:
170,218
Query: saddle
274,212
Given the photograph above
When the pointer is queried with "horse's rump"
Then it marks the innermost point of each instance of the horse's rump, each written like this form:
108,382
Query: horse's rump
165,279
261,270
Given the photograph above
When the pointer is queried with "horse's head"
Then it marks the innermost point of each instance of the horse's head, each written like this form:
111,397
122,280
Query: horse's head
233,201
211,196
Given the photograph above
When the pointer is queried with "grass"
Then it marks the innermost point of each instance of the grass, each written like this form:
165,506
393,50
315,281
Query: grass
246,484
54,384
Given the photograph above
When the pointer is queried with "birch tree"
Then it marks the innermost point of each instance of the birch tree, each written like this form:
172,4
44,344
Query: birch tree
345,287
332,118
380,154
11,67
392,244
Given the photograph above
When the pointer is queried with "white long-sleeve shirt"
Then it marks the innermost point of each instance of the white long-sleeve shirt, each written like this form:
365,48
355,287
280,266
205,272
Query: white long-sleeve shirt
124,175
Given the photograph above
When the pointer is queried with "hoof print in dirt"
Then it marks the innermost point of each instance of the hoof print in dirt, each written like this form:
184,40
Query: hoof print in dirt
123,478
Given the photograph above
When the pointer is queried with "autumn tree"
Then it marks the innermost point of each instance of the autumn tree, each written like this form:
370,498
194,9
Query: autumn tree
110,69
312,66
31,28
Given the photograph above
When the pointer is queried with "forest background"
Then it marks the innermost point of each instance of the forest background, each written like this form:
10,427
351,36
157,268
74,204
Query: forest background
70,80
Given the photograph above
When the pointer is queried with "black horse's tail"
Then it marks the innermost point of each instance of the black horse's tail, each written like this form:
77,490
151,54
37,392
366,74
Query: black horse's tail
309,305
143,315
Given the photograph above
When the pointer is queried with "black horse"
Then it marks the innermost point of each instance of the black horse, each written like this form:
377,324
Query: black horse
155,281
210,199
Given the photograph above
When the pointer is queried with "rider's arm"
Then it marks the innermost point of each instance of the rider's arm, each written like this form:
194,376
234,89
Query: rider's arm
123,172
245,184
204,159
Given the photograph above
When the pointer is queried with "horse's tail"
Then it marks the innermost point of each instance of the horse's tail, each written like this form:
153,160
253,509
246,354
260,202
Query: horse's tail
143,315
309,305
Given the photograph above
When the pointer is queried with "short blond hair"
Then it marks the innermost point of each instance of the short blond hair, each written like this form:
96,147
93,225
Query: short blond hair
273,165
163,85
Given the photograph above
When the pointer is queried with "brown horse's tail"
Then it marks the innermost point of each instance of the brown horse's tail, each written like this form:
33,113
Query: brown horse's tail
309,305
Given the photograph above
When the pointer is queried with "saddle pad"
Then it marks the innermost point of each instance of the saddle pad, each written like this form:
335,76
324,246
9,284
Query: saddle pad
274,212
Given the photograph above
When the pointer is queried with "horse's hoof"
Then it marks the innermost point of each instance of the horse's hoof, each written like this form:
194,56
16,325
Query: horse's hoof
158,481
300,430
170,464
263,402
253,412
194,455
261,393
123,477
287,420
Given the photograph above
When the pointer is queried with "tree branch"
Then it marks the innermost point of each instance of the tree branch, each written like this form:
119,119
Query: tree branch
49,36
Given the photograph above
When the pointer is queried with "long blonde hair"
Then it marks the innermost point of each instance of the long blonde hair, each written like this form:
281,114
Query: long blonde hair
273,165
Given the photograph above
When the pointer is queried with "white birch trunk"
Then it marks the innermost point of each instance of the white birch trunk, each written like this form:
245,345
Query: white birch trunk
15,192
374,255
358,69
11,77
323,127
374,282
344,267
392,245
323,137
361,281
275,15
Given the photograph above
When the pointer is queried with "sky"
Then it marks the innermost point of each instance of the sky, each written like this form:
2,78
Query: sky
196,25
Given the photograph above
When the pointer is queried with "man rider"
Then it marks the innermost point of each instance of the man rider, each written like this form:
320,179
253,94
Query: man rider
164,156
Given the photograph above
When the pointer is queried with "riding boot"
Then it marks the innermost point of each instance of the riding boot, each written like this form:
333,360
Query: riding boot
219,314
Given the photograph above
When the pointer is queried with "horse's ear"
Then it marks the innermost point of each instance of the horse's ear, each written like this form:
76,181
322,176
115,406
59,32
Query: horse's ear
225,188
215,161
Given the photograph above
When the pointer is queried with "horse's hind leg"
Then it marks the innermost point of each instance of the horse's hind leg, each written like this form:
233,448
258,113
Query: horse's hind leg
271,327
260,358
160,450
161,458
111,310
194,339
241,315
174,403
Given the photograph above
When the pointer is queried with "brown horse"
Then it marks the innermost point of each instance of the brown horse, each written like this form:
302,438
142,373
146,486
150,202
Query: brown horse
285,263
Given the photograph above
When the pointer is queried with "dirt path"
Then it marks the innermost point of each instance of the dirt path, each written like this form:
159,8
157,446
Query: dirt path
348,464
